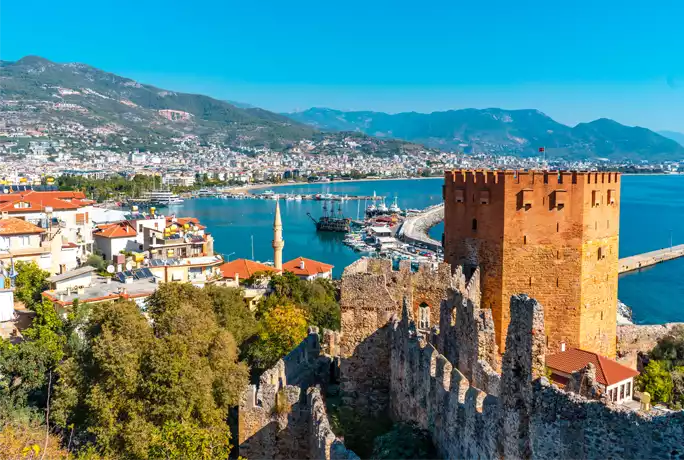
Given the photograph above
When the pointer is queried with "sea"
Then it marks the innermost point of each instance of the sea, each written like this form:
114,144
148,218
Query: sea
651,217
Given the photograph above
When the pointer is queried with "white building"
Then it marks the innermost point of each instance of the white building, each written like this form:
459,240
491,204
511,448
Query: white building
616,380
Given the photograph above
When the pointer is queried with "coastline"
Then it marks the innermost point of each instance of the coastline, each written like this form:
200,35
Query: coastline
344,181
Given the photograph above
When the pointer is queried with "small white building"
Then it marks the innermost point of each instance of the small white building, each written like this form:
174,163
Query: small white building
74,279
112,239
616,380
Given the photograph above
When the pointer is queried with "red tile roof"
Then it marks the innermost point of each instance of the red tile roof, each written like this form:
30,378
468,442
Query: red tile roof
608,372
311,267
181,221
32,201
115,230
14,226
244,268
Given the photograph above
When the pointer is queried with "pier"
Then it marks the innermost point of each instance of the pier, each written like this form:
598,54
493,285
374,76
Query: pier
415,228
628,264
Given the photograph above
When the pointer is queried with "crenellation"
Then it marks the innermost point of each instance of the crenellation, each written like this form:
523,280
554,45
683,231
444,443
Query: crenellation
444,380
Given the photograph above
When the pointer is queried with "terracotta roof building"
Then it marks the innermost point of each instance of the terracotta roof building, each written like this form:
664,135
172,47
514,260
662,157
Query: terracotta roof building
616,379
13,226
308,269
112,239
241,269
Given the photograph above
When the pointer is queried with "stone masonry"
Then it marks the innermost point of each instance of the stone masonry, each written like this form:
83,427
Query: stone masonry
553,235
449,380
284,416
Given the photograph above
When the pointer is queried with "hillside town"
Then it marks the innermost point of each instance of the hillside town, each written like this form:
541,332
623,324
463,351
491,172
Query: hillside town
94,256
34,149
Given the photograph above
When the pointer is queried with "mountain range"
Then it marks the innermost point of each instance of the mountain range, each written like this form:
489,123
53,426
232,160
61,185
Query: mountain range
154,117
105,99
517,132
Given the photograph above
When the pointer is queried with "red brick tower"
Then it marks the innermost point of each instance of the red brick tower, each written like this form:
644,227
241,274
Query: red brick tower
551,235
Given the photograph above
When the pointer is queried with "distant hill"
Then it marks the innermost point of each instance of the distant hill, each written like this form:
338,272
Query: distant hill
517,132
674,135
138,109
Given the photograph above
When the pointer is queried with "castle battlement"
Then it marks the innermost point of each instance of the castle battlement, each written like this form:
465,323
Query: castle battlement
551,234
463,177
449,380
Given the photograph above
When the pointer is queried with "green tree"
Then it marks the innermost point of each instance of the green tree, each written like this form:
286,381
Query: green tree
281,329
318,299
96,261
657,381
24,366
30,282
186,441
157,388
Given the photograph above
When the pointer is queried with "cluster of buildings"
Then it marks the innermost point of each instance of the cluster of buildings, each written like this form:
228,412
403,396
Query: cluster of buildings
94,254
34,148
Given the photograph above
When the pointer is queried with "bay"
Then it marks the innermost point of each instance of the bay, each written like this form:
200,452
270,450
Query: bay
651,213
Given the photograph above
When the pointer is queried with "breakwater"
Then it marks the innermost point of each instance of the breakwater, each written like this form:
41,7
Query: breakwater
415,228
628,264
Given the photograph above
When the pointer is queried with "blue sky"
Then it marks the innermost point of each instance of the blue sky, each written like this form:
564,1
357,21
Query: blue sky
574,60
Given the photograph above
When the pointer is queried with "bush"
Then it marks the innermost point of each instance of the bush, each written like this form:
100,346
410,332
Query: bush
404,441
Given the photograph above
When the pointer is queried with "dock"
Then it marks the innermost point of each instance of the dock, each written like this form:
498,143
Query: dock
415,228
628,264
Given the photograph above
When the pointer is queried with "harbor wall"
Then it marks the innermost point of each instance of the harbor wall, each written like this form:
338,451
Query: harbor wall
647,259
415,229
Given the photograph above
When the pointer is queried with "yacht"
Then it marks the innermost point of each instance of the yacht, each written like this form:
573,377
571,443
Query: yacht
371,209
394,207
162,198
382,208
298,198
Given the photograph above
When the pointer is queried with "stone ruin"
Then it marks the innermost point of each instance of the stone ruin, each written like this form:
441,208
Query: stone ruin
448,378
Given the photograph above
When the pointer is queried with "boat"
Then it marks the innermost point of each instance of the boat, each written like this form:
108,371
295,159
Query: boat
382,207
162,198
394,207
298,198
331,221
289,197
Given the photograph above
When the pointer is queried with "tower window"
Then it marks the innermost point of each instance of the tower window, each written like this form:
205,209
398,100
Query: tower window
474,225
424,316
525,239
557,227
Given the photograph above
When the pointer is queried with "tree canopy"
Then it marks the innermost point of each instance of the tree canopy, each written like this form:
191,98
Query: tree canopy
663,376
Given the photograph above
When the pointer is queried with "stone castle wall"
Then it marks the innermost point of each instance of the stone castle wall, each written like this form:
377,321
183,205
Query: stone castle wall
529,418
281,417
371,294
450,380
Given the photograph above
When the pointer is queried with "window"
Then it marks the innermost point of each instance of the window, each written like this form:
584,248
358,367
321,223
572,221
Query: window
474,225
484,196
611,197
459,195
80,218
559,198
628,392
424,316
595,198
622,392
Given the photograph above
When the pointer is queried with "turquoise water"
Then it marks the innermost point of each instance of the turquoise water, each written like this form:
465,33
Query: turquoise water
651,209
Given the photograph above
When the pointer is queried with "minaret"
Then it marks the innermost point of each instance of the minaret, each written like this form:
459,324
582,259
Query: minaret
278,242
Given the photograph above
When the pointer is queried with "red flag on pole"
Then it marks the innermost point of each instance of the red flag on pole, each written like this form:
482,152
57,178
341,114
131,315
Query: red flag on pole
541,149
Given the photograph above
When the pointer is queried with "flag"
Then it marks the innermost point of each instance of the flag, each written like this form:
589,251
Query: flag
541,149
